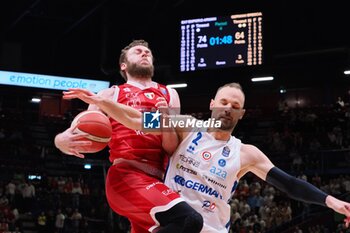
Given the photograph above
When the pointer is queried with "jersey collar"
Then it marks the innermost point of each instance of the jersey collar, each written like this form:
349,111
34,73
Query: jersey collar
142,87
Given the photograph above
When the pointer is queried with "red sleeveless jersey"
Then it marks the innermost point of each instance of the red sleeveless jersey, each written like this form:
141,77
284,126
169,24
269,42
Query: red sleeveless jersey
132,144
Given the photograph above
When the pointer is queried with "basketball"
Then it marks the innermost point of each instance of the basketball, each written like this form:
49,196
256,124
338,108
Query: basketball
97,126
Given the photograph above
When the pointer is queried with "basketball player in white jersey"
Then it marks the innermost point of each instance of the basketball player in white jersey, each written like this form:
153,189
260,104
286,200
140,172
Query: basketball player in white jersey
207,165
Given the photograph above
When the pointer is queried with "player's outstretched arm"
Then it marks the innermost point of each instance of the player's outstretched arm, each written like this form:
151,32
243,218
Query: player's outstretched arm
257,162
126,115
303,191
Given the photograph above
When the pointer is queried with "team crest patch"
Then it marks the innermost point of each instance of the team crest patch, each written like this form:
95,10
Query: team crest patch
226,151
149,95
206,155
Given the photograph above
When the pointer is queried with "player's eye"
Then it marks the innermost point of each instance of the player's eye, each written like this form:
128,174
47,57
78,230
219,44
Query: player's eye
223,102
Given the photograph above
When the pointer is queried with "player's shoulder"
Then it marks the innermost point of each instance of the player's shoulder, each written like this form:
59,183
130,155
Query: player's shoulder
163,86
251,151
170,89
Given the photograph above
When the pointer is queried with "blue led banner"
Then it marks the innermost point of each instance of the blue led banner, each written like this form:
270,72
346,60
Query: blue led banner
50,82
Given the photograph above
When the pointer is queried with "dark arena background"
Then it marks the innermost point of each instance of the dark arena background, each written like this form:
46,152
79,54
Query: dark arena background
300,118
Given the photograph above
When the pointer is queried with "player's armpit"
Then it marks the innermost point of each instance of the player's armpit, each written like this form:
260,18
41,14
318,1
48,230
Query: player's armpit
255,161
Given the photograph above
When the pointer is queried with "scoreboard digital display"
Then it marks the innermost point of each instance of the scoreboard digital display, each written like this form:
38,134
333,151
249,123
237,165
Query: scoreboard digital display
225,41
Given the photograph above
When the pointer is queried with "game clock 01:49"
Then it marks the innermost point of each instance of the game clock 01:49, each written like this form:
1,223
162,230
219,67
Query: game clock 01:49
217,40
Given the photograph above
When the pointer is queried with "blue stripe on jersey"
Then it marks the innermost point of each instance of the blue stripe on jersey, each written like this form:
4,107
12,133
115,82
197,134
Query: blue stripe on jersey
166,170
234,187
227,226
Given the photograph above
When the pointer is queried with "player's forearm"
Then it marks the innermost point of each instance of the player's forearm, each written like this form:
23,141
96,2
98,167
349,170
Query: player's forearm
170,141
296,188
124,114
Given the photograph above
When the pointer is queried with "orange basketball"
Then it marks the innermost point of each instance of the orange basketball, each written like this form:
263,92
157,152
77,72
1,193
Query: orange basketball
97,126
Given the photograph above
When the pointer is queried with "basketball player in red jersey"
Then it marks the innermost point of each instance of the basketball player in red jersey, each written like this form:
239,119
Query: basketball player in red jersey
133,184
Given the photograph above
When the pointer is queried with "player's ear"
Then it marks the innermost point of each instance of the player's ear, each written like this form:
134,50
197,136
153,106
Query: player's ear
123,66
211,105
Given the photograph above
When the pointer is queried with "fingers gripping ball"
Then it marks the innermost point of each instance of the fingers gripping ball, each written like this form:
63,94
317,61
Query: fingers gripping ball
97,127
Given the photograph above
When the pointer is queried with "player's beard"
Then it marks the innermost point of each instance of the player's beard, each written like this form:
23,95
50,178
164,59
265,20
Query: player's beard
135,69
227,125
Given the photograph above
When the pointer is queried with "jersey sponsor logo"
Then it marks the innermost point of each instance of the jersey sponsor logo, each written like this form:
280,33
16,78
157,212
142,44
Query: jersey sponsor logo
132,99
209,206
139,132
211,180
168,192
189,160
226,151
152,185
185,169
196,186
222,162
149,95
131,95
218,172
206,155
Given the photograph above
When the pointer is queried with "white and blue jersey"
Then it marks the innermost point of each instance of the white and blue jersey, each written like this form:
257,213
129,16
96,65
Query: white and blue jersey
204,171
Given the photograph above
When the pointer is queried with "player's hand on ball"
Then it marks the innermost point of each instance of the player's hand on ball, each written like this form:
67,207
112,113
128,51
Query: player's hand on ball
70,143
